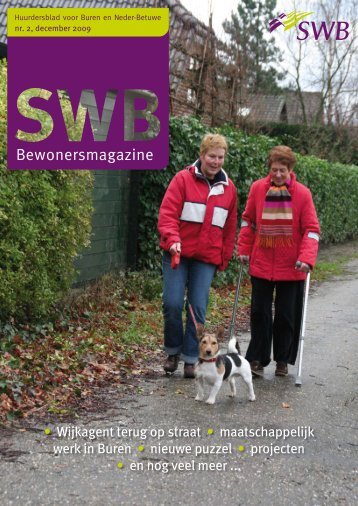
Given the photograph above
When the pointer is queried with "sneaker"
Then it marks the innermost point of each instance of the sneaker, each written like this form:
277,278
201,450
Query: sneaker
189,371
171,363
281,369
256,368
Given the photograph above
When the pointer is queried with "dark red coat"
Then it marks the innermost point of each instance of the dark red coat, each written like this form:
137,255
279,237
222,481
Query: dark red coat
202,218
278,264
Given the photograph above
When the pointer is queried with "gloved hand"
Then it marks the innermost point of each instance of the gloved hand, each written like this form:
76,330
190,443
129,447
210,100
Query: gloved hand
302,267
244,259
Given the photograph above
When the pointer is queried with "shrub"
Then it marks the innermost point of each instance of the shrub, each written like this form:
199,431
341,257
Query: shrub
334,143
44,222
334,188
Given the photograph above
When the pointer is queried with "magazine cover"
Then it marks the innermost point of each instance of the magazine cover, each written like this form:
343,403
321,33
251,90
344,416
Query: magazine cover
178,252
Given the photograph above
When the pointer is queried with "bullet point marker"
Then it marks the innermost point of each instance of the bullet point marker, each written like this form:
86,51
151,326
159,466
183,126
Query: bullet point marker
47,431
120,465
241,448
141,448
210,431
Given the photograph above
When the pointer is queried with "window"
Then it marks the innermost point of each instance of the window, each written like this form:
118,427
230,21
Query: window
191,96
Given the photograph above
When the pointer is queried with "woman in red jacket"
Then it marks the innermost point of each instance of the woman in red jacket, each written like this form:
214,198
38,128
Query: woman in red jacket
197,220
279,239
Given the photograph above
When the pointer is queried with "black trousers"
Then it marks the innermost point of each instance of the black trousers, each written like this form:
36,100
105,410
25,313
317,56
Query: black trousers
283,328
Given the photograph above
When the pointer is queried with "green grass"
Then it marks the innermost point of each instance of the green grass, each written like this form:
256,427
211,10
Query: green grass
325,270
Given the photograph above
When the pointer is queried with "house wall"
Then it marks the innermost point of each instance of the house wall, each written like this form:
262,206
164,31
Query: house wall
108,250
114,221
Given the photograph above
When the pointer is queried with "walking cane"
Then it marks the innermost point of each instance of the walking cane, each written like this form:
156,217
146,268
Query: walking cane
234,310
302,331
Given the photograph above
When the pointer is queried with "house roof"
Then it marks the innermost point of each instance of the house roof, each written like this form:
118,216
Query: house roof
312,103
281,108
263,108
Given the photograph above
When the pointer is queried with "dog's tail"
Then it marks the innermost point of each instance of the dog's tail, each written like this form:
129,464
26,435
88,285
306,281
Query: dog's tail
233,346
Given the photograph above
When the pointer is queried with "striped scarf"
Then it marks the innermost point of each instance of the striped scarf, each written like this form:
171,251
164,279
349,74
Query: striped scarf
276,224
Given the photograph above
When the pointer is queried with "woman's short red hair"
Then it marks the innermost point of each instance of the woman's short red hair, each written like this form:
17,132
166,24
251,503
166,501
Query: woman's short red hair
212,141
282,154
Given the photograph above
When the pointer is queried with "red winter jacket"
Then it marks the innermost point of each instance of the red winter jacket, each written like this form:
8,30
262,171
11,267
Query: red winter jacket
278,264
202,218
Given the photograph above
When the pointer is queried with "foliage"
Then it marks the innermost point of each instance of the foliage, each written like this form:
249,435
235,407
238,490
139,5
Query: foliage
333,143
44,222
334,186
256,55
108,332
94,339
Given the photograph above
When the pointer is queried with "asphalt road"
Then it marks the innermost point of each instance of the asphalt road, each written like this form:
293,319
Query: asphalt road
292,446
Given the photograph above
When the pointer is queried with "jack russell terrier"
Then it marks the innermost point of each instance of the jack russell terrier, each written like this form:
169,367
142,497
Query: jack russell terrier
213,368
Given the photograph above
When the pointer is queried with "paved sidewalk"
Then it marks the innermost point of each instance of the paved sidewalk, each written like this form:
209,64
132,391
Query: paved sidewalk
245,461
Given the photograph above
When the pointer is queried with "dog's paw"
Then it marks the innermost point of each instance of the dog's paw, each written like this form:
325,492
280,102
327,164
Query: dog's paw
210,401
232,394
199,398
252,399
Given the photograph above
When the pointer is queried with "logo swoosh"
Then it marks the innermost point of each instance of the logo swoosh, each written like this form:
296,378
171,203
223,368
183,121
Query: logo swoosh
293,18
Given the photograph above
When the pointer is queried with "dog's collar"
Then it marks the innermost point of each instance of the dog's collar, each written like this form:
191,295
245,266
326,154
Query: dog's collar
201,360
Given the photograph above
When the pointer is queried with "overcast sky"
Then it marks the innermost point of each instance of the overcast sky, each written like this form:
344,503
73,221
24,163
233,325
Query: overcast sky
222,10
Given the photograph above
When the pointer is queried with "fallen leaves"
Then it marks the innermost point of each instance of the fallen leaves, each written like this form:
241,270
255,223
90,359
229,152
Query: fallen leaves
107,337
6,402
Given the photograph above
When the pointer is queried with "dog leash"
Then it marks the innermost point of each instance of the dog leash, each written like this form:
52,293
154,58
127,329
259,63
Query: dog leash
193,317
234,310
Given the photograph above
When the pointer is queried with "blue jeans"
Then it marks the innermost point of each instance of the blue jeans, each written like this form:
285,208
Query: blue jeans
195,277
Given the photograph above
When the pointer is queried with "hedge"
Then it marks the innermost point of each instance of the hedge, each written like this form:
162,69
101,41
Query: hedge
336,144
334,186
45,219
